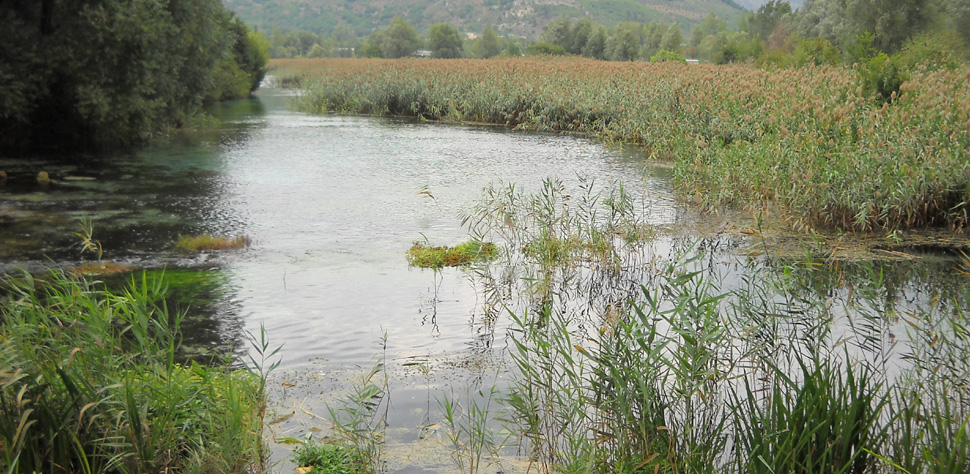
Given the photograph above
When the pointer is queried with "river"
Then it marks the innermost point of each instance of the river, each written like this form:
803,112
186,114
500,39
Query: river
330,205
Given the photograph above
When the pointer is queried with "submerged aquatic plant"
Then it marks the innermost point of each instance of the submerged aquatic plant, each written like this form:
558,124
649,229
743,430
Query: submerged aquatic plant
196,243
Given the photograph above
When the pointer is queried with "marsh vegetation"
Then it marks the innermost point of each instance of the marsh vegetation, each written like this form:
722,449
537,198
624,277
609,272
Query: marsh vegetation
814,145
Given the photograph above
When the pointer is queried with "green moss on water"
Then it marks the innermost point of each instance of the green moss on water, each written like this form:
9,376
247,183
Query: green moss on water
422,255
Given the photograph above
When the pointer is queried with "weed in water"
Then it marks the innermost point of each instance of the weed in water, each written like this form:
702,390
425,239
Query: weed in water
326,458
424,256
204,242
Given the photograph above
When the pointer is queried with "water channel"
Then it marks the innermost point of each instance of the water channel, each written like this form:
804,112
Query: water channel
330,205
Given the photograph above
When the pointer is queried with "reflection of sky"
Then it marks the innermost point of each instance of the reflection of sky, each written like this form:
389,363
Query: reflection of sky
332,204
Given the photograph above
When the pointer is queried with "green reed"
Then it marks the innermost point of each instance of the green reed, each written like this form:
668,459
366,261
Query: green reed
89,383
659,363
811,143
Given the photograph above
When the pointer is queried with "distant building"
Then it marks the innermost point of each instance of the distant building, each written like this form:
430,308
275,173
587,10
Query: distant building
693,61
422,53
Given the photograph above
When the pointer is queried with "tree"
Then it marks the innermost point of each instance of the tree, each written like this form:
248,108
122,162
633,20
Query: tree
444,41
763,22
400,39
489,45
673,39
596,46
558,32
111,73
579,36
625,43
711,26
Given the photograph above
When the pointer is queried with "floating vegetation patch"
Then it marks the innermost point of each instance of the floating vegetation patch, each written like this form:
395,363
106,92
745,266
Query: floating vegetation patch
424,256
101,268
198,243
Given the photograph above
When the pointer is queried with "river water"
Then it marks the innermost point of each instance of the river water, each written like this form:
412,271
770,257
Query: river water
330,205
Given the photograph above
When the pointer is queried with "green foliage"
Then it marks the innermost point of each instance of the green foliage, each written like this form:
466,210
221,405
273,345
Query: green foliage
444,42
489,45
881,77
111,73
542,48
664,55
89,383
421,255
327,458
936,49
400,39
817,420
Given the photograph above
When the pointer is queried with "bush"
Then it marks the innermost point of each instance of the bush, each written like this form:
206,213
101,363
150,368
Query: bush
664,55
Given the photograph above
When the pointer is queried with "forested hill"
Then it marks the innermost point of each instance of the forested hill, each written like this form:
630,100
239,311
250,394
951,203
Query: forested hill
508,17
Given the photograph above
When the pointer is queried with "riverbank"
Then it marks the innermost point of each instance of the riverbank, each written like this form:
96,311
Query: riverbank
805,143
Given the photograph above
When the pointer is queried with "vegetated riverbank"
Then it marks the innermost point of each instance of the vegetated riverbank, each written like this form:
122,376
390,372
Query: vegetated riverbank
632,354
90,381
810,144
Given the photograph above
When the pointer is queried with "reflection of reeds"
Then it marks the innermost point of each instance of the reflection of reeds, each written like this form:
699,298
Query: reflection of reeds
809,140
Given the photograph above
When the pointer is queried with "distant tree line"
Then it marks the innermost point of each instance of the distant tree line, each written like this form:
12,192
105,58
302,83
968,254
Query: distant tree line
113,73
398,40
821,31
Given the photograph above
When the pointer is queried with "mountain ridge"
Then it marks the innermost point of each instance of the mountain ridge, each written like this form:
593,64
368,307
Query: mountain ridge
509,17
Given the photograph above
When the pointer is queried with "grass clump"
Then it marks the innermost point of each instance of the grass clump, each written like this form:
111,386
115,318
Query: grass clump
327,458
198,243
89,383
424,256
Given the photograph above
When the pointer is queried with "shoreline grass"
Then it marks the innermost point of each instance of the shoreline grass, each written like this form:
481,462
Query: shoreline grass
89,383
808,142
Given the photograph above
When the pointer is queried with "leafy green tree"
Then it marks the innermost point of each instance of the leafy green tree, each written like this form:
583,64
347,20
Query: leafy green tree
489,45
624,45
444,41
109,73
400,39
766,19
653,35
596,46
711,26
579,35
673,38
559,32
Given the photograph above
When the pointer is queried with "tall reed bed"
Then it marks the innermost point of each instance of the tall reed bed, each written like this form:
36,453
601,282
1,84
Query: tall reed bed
89,383
630,359
809,142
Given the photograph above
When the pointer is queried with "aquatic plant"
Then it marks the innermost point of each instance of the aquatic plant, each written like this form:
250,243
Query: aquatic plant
359,420
424,256
196,243
808,143
659,363
89,383
326,458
